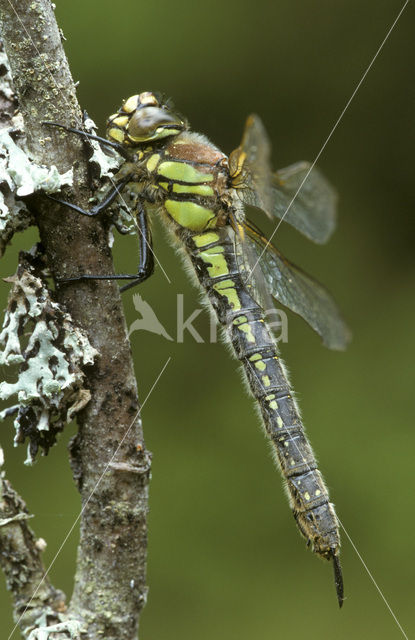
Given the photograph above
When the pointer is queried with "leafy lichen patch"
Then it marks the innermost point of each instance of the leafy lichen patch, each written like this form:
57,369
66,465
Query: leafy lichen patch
27,176
108,161
19,177
50,382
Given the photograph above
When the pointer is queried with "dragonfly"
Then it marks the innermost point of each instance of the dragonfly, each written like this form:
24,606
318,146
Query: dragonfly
202,196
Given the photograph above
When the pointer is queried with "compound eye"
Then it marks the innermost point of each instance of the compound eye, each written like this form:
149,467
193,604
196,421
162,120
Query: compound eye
145,121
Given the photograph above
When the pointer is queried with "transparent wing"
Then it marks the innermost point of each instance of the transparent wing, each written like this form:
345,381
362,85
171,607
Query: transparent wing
313,210
298,194
290,286
249,166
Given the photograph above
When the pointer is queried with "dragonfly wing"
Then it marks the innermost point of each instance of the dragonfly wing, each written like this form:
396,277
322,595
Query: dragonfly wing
249,166
303,197
246,251
298,194
293,288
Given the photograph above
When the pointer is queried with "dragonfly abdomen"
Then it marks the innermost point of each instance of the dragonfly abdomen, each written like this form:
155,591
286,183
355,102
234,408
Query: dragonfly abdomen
216,265
265,372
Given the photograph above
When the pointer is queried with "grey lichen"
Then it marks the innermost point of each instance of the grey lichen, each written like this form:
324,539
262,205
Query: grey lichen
49,386
6,77
66,629
27,176
108,161
19,177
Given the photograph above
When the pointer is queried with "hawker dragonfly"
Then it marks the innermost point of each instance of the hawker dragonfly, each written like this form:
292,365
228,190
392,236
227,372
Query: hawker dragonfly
202,195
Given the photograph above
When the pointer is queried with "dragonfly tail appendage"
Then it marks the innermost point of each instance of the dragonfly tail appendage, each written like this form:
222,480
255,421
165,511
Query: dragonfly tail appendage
338,579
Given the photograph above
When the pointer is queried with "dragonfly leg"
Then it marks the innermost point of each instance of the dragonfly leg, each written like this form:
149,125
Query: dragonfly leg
109,198
146,265
84,134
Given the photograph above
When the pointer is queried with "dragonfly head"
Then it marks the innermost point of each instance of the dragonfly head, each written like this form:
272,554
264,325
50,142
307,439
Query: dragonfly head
143,118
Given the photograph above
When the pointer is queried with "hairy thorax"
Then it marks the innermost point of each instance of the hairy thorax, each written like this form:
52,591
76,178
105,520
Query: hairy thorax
188,176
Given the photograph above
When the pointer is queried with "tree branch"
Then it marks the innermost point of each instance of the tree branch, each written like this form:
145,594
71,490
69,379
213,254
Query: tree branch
21,562
110,577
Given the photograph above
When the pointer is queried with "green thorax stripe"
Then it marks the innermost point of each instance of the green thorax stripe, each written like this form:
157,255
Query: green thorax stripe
203,190
183,172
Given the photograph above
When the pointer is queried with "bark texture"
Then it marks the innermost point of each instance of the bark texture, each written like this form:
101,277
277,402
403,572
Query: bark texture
110,577
21,562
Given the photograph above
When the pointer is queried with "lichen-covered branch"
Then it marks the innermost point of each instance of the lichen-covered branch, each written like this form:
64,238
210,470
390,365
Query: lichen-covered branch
20,560
110,577
49,389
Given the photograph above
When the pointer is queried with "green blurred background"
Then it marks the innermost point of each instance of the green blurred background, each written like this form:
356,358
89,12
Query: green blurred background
225,559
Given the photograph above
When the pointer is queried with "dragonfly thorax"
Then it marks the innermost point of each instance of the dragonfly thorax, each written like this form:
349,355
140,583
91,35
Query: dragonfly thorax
189,177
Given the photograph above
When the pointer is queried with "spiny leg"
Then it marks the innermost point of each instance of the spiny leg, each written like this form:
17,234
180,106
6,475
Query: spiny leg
146,265
101,206
84,134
